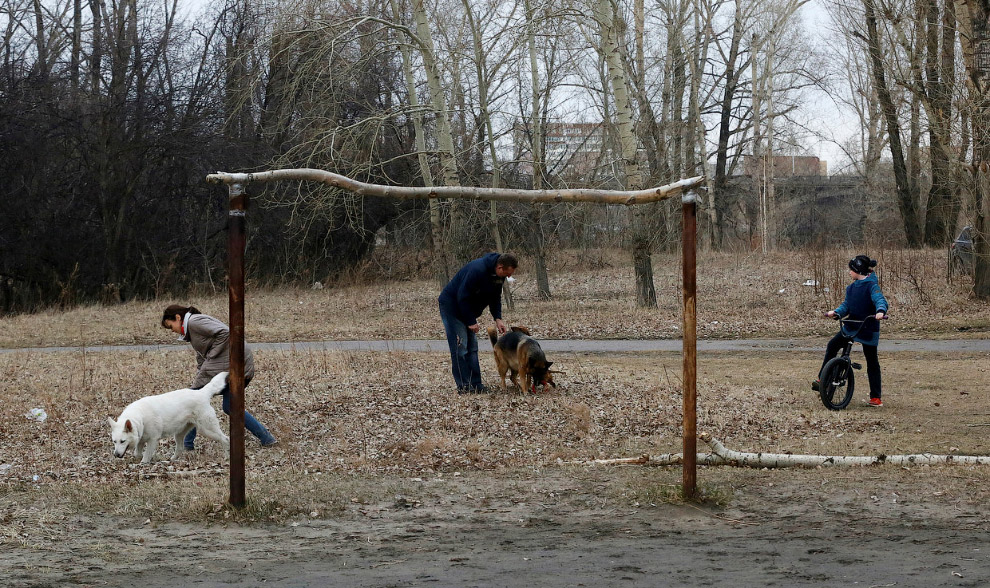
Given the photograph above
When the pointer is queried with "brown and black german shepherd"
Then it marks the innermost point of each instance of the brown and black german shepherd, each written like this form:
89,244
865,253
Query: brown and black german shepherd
518,353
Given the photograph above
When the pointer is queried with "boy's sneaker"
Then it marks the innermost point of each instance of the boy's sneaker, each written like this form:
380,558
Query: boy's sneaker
875,402
816,384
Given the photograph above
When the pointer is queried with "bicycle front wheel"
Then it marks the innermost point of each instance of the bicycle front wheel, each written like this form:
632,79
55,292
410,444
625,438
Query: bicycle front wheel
837,383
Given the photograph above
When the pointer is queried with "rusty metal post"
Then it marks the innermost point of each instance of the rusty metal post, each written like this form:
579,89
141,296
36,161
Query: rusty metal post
236,239
689,209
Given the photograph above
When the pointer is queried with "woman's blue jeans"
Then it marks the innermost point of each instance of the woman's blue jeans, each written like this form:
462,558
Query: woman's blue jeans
463,345
250,423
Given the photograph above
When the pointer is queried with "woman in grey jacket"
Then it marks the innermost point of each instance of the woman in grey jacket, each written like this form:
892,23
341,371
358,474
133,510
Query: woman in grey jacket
208,337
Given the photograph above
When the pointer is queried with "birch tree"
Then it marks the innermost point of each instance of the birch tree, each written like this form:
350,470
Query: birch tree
445,141
441,267
612,54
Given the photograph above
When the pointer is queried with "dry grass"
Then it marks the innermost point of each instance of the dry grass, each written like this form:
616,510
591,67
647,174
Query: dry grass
739,296
358,428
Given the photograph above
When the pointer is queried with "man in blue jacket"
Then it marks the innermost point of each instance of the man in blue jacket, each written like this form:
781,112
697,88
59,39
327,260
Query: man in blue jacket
477,285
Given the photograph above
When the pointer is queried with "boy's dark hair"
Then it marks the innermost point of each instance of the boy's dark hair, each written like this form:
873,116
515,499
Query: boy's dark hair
176,309
862,265
507,260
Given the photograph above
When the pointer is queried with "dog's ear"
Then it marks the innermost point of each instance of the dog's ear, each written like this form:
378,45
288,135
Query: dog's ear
128,427
111,422
521,329
549,363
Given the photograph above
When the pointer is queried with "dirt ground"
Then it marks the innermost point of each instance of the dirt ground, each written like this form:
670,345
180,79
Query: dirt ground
383,476
384,483
781,529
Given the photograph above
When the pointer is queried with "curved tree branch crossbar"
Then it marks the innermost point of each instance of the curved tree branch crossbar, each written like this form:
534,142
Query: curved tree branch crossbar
469,193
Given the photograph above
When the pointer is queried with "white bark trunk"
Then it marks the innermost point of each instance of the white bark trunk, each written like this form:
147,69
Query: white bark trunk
721,455
778,460
436,228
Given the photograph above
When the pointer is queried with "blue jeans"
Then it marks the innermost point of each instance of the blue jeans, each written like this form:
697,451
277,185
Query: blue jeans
250,423
463,345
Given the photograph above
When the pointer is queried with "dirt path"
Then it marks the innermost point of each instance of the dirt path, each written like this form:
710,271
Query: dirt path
559,345
773,535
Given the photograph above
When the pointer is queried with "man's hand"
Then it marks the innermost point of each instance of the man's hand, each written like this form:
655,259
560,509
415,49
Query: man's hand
830,313
474,328
500,326
880,315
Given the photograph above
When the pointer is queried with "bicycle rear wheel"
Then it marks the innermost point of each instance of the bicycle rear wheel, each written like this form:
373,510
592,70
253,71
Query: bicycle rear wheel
837,384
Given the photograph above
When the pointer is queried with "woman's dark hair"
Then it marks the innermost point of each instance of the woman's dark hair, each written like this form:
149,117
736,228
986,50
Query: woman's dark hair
175,309
862,265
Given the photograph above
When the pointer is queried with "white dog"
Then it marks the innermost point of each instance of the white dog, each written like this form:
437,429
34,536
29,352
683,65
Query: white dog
147,420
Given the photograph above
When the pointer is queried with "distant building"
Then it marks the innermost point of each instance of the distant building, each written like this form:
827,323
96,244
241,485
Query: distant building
575,151
788,166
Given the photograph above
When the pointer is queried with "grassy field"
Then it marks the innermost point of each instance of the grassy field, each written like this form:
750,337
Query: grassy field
359,428
739,296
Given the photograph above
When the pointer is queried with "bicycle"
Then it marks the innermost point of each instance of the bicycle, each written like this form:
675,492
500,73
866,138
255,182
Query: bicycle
837,379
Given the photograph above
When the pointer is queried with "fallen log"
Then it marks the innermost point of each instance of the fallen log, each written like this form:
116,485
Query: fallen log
722,455
780,460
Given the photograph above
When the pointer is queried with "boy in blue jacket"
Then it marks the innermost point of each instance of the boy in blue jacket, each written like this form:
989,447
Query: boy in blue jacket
477,285
863,299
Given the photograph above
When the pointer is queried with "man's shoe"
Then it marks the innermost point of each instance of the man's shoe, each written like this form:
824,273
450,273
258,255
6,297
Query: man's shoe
271,443
472,390
816,384
875,402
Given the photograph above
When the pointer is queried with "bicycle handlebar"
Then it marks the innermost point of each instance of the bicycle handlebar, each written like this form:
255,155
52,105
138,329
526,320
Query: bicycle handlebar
836,317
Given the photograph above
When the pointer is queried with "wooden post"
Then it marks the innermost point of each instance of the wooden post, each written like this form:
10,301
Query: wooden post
236,239
689,209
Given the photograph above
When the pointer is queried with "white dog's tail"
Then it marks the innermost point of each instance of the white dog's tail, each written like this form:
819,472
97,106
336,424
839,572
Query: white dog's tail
216,385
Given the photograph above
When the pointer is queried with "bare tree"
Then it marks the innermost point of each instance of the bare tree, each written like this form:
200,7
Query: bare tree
612,53
906,200
973,17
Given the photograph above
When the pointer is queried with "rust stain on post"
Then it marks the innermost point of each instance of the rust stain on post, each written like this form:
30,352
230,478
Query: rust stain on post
689,210
236,239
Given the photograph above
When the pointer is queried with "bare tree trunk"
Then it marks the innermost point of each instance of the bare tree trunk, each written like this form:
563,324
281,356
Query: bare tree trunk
75,59
441,263
973,17
905,199
759,157
675,45
40,40
539,164
485,110
96,56
448,163
939,222
645,290
698,59
721,179
653,136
